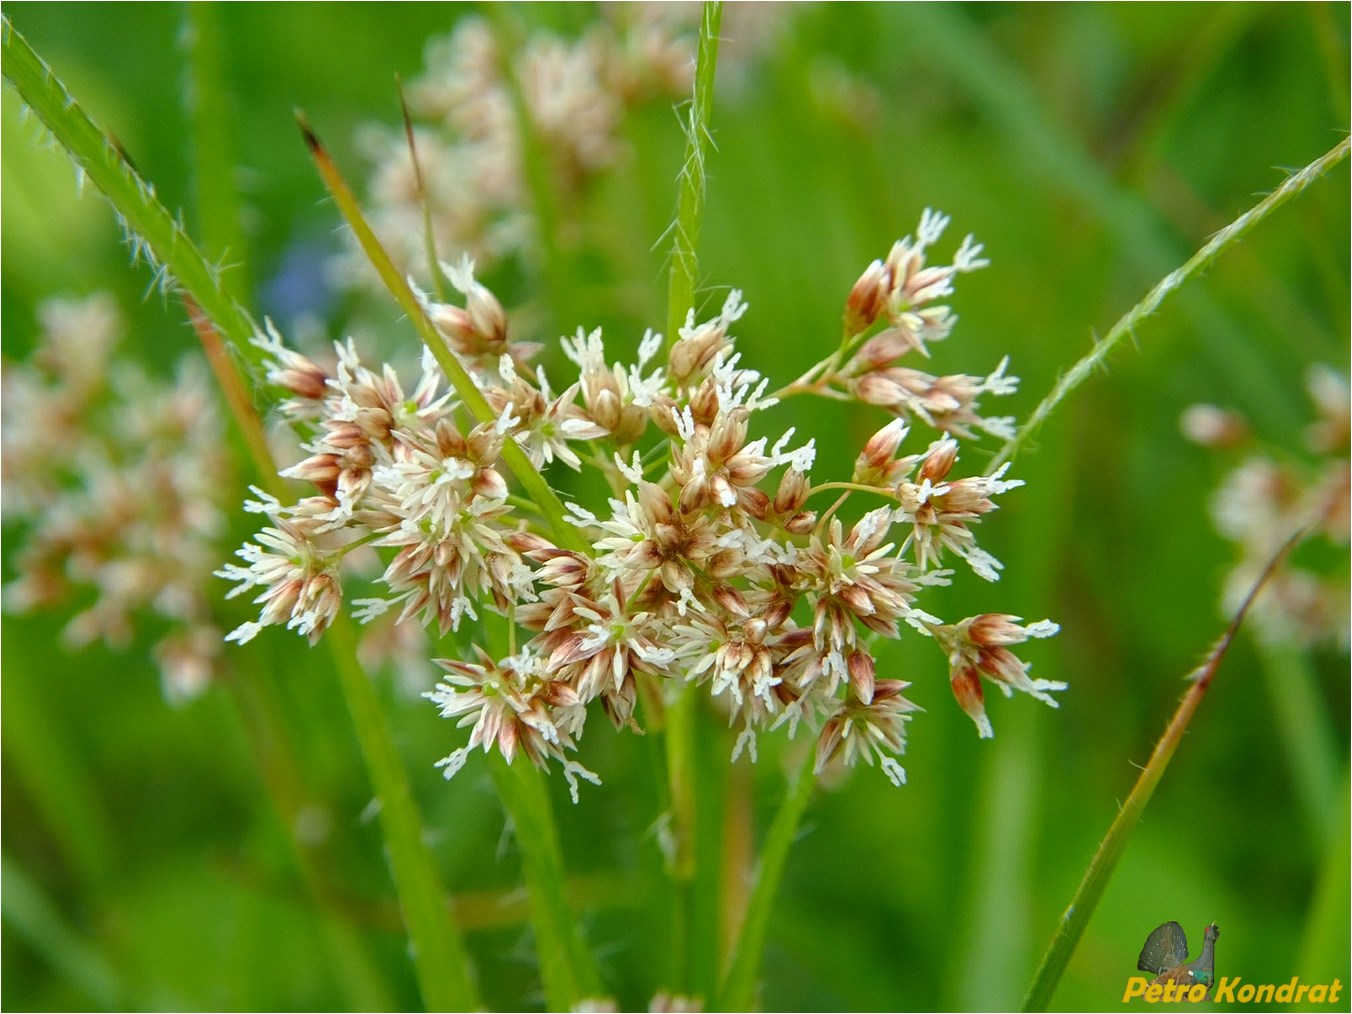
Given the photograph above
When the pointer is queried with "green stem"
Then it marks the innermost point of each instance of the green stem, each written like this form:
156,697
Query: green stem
151,231
690,199
566,966
1324,947
546,500
439,957
1303,726
213,153
428,237
1169,284
1076,916
739,987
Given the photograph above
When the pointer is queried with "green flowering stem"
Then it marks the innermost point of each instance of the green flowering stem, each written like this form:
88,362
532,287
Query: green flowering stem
1101,867
439,958
566,967
1169,284
690,200
738,991
537,489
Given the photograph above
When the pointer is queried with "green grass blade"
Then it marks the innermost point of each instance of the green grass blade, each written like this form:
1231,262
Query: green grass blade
1324,947
152,232
1169,284
739,987
1101,867
566,967
443,968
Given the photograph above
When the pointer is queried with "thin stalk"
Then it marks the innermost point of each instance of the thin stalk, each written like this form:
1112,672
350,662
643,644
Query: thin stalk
682,711
439,959
213,153
429,238
1169,284
1324,944
242,411
1306,734
738,991
1101,866
690,196
566,967
536,487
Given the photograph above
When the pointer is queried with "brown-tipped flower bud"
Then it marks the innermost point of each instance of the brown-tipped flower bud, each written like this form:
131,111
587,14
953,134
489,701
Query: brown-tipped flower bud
885,348
732,600
971,698
664,413
801,523
861,668
875,461
705,403
939,462
792,492
302,377
868,298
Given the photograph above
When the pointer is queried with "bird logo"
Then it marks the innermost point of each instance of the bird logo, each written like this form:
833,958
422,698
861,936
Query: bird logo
1165,955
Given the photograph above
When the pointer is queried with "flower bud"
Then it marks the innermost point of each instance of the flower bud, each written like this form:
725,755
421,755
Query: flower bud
867,299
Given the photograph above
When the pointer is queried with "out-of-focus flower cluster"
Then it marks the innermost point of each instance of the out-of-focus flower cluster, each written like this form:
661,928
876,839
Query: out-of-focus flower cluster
118,478
717,561
576,92
1269,497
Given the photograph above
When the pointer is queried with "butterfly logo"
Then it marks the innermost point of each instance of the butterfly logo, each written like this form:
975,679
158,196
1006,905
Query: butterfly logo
1165,955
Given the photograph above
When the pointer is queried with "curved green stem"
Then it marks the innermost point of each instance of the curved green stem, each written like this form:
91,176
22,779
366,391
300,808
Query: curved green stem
151,231
1076,916
1169,284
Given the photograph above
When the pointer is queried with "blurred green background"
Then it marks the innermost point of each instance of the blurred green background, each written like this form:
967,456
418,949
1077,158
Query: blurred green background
1091,148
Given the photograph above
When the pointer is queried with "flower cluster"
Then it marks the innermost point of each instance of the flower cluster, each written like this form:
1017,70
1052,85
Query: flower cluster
577,94
1267,498
119,478
710,564
468,141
